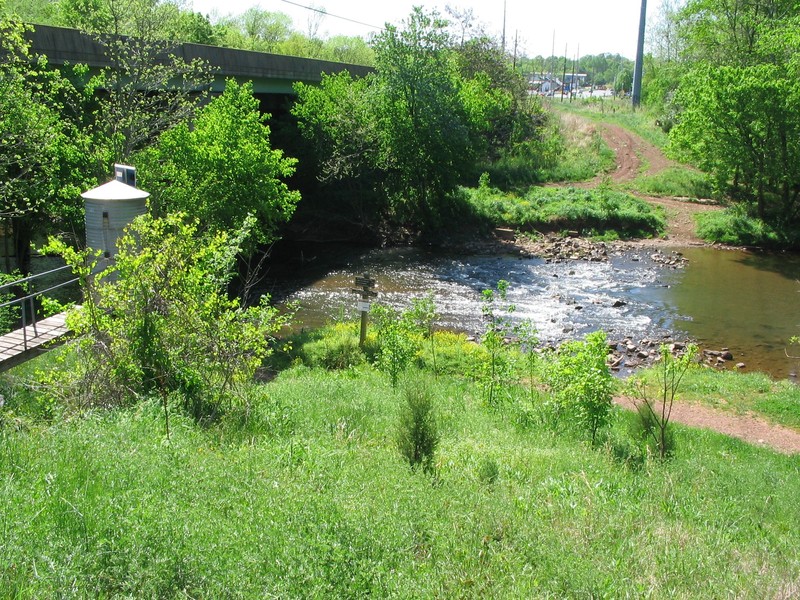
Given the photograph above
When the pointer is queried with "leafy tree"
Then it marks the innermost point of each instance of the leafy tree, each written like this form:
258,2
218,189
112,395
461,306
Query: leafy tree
338,118
29,11
147,87
194,27
729,32
347,49
602,69
43,155
507,115
405,137
220,169
664,39
256,29
743,125
623,82
296,44
660,83
425,133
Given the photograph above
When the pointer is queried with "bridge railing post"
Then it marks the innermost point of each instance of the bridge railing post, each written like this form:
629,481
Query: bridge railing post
33,317
24,328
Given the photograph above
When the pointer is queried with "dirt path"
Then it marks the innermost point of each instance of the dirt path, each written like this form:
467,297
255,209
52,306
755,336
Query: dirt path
632,153
748,428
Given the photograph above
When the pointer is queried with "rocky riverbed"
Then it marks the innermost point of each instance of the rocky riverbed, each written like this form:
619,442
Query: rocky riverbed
625,354
628,354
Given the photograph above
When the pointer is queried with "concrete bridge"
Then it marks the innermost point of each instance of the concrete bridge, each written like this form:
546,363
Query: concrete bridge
270,73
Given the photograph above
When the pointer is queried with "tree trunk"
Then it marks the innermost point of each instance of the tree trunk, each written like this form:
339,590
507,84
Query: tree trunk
23,236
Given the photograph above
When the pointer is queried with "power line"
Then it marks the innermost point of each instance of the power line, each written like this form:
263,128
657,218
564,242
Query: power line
327,14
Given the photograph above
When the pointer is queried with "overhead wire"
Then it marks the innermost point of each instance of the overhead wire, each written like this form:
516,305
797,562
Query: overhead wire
327,14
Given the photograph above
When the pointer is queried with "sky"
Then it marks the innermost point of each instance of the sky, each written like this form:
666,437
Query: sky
580,27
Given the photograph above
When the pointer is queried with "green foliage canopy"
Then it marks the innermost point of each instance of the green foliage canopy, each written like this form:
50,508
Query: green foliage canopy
405,137
160,322
743,125
222,168
43,153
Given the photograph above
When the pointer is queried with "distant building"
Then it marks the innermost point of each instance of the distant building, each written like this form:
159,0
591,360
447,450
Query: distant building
543,84
546,84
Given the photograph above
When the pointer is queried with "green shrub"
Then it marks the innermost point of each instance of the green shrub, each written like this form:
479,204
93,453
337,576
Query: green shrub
655,409
417,433
736,227
581,382
160,321
398,341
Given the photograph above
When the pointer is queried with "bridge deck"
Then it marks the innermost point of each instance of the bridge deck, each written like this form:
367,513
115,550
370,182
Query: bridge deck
14,349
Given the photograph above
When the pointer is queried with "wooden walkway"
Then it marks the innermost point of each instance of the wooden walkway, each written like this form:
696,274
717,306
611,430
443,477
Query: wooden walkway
21,345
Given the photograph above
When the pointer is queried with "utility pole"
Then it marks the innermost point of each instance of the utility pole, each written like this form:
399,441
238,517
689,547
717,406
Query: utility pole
504,26
552,65
514,63
637,70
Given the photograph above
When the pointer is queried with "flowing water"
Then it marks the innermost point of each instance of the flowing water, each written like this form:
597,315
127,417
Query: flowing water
721,298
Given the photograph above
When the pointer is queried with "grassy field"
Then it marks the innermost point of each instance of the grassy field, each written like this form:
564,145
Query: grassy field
301,492
678,181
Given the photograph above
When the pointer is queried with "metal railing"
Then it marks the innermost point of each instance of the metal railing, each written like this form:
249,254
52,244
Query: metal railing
27,301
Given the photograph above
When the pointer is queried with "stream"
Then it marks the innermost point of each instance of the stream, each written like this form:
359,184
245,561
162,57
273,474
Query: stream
731,299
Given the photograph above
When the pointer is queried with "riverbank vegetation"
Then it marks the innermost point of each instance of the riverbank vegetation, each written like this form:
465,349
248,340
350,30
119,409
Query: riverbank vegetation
305,487
600,212
393,147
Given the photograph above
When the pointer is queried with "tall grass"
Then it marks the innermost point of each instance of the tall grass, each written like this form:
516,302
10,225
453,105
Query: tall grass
682,182
569,151
304,494
597,212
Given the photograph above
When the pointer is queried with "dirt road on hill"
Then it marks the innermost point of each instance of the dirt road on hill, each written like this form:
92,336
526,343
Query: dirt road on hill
634,157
